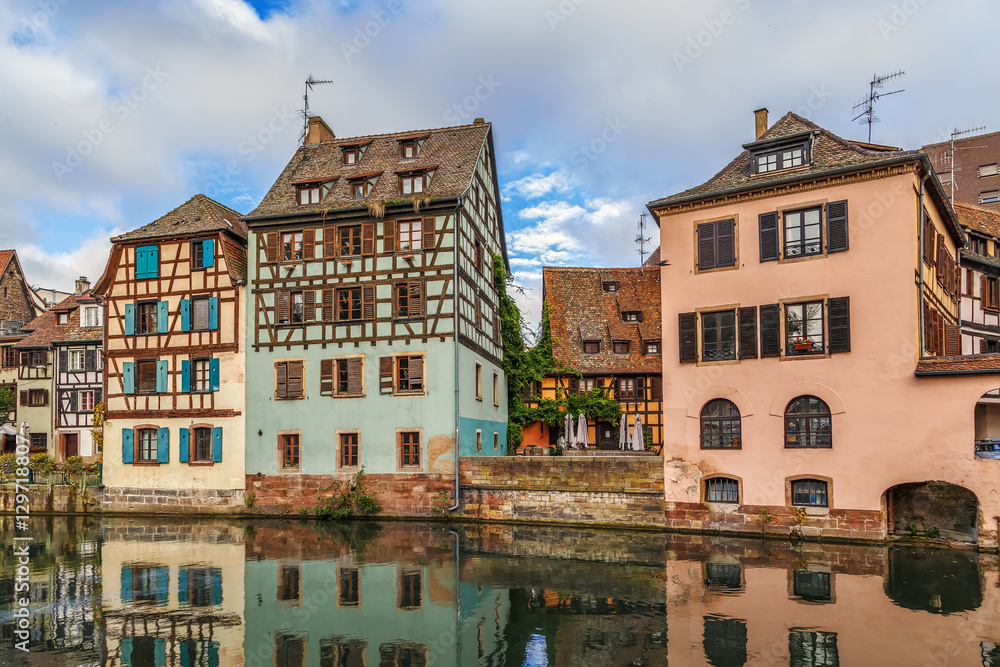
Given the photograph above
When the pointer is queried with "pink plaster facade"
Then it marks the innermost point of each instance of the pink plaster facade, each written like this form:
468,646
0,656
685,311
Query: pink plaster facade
889,426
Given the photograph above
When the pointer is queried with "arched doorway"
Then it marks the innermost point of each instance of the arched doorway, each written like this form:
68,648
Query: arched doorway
933,509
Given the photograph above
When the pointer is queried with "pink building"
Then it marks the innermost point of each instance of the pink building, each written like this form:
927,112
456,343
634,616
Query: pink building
810,342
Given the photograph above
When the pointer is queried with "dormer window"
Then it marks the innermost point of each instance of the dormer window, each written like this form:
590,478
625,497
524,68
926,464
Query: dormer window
62,318
620,347
351,156
610,287
591,346
360,189
653,347
312,192
778,160
91,316
631,316
412,183
987,170
362,185
408,149
778,154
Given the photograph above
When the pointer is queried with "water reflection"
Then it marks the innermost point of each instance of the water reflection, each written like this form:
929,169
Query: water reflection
147,592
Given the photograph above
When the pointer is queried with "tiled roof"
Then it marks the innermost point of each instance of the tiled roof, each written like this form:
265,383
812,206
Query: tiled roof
453,150
978,219
971,152
47,330
579,310
196,215
236,258
5,257
970,364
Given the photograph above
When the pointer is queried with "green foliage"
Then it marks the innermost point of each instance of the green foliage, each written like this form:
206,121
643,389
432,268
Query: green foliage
97,430
7,401
933,532
800,515
763,518
441,503
8,463
250,500
42,464
349,498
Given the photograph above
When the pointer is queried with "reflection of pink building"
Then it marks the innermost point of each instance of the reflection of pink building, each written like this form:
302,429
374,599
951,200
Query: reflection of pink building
811,298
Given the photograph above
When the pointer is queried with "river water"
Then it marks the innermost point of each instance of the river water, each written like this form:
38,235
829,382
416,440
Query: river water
142,592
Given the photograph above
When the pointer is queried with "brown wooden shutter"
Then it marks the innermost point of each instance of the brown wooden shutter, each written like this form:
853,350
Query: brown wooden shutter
368,238
768,223
90,360
416,299
385,380
282,299
24,397
368,302
982,346
952,340
688,326
416,368
354,371
281,380
839,310
328,305
309,301
941,270
428,233
272,247
389,236
770,331
309,243
656,388
45,396
748,332
836,226
25,363
725,243
706,246
496,329
326,377
295,387
329,242
930,242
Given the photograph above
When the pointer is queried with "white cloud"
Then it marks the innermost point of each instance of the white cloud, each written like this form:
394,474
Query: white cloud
59,270
538,185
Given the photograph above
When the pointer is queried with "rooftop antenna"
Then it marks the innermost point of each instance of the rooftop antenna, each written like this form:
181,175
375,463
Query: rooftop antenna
867,105
310,82
951,152
641,240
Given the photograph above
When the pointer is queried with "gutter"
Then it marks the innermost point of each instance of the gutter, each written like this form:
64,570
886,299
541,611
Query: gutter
920,263
977,371
457,323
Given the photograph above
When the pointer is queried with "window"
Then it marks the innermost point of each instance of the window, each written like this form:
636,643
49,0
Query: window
631,316
349,450
627,388
360,188
148,584
351,155
724,575
147,445
288,444
349,304
62,318
77,360
91,316
803,233
991,294
199,313
609,287
408,149
289,582
584,387
409,375
812,586
813,649
291,246
410,236
290,307
479,381
652,348
725,640
309,194
147,263
716,244
289,650
409,449
591,347
804,328
784,158
399,653
342,376
289,379
722,490
720,425
479,440
478,255
146,323
204,586
977,244
145,372
809,492
197,255
350,587
620,347
410,589
9,357
39,442
37,397
718,335
412,183
496,441
85,400
807,423
202,449
350,241
989,196
987,170
409,299
496,389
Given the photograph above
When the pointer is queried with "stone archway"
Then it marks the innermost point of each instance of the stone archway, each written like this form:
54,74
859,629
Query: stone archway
932,509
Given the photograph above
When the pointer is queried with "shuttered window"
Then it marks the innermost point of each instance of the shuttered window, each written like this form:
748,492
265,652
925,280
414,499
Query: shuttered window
350,241
716,244
342,376
349,304
803,233
718,335
199,314
289,381
410,375
145,377
409,299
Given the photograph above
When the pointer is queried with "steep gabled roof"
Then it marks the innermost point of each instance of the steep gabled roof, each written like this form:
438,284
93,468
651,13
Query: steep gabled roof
580,310
195,216
978,219
46,330
452,152
5,257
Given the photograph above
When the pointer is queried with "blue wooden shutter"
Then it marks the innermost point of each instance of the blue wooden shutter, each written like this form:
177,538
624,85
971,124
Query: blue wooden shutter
182,575
126,652
184,445
217,444
163,445
161,376
126,584
128,377
129,319
213,374
185,315
209,253
152,261
140,262
213,313
216,597
213,654
128,445
162,317
160,651
185,376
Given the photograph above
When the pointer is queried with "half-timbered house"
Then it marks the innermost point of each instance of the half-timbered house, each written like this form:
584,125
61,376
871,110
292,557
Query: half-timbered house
174,359
980,280
18,306
374,336
605,330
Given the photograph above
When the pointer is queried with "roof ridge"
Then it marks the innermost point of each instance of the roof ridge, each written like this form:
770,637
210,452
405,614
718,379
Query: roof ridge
403,133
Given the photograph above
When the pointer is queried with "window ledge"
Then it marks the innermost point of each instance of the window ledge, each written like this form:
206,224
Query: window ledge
409,393
146,464
345,395
201,464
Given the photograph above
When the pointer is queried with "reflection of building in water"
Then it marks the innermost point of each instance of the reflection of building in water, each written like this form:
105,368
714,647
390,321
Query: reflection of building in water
65,569
172,594
377,595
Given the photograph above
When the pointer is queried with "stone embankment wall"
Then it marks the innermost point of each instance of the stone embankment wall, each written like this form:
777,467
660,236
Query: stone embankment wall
403,495
173,501
55,499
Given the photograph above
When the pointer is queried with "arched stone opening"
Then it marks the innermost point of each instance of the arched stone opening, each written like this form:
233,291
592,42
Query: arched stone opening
933,509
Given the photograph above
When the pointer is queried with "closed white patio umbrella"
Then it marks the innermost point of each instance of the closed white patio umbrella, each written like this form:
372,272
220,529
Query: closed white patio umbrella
638,442
568,427
582,436
623,435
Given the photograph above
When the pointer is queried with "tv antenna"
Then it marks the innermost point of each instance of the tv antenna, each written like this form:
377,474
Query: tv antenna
310,82
951,152
641,239
867,105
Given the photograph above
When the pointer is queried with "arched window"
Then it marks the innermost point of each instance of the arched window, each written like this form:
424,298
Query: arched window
720,425
722,490
807,423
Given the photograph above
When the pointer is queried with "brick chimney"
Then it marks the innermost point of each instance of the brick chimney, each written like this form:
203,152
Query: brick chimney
318,132
760,121
82,285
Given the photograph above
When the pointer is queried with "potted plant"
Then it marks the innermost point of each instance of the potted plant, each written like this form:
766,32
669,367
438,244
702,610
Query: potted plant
802,343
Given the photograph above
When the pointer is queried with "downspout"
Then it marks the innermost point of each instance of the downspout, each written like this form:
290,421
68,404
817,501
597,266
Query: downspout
920,307
455,318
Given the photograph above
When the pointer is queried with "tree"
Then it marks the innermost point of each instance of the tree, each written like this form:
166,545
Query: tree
7,401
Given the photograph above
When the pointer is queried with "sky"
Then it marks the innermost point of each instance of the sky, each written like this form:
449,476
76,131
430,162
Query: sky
116,112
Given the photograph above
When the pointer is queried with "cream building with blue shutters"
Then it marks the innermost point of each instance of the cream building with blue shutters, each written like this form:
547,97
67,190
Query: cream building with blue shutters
174,362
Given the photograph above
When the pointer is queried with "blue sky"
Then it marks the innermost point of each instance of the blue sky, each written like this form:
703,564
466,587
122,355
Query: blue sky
116,112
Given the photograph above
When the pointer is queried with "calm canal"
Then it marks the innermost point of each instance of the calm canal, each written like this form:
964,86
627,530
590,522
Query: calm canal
153,592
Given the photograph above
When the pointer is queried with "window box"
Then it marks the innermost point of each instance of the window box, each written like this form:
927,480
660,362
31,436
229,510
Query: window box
408,256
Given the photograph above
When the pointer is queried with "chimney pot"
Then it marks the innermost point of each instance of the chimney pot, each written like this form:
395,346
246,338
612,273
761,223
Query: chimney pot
478,121
318,132
760,121
82,285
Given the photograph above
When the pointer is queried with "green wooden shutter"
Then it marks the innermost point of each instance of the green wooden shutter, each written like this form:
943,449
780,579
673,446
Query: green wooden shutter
128,445
163,445
213,313
217,444
768,223
208,253
770,330
160,645
216,595
839,311
183,445
161,376
162,317
128,377
748,332
185,376
126,652
185,315
688,329
836,226
126,594
129,319
182,584
213,374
